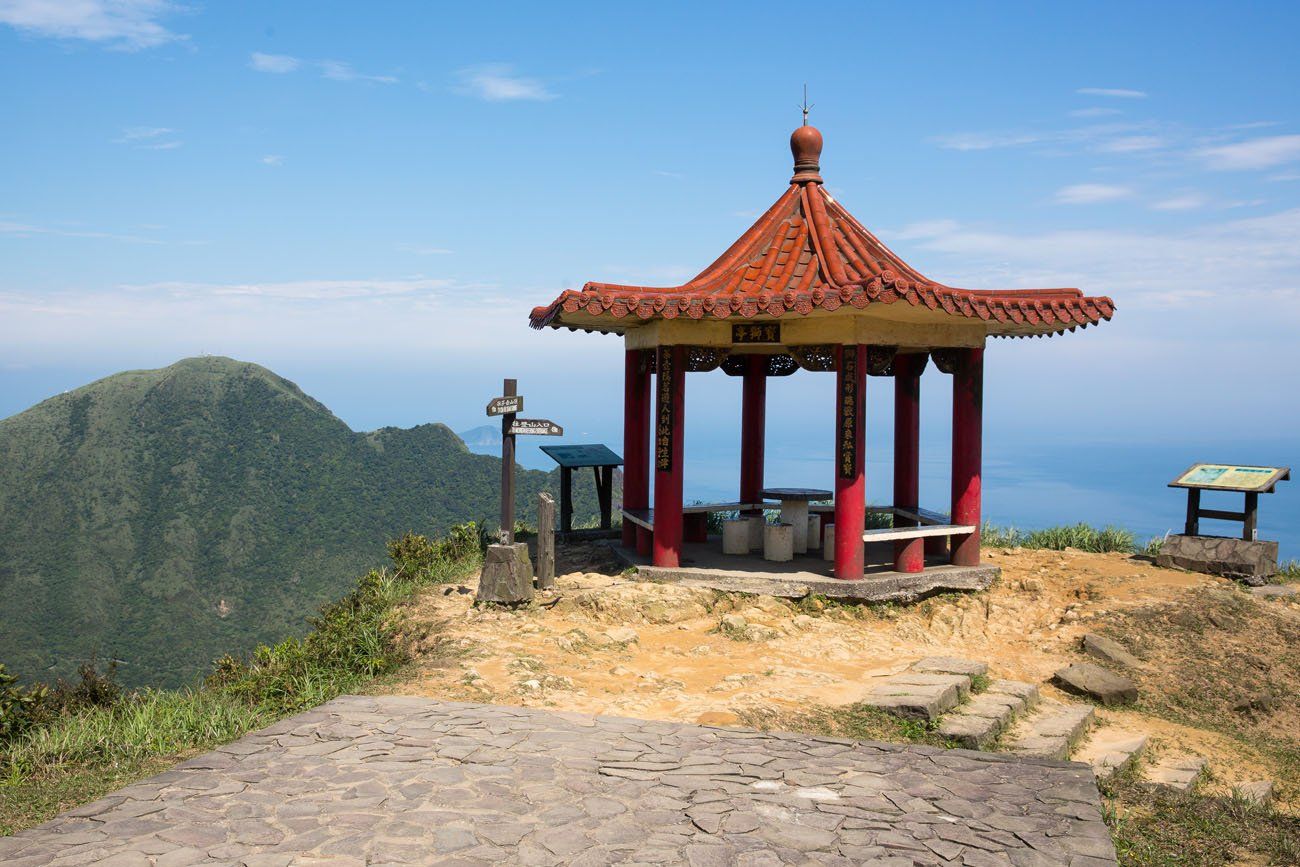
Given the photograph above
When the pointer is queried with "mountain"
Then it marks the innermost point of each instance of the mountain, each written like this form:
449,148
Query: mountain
164,517
482,440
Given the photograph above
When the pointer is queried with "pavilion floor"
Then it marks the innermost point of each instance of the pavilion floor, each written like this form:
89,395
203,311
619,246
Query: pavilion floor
704,565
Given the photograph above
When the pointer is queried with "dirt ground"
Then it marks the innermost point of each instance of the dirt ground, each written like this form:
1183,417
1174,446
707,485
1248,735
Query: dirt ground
606,643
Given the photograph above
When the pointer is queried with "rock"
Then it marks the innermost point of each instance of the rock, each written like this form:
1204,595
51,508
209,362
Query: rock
1260,700
507,576
1259,792
1031,585
1249,561
734,621
1275,591
1096,682
1109,650
621,635
951,665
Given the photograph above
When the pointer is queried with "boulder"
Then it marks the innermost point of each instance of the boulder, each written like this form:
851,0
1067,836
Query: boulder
1095,682
507,576
1109,650
1259,792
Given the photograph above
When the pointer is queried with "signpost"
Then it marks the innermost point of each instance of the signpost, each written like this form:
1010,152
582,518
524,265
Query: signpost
507,405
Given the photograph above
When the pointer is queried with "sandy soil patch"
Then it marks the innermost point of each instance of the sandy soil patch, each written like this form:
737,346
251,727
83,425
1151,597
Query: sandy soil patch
606,643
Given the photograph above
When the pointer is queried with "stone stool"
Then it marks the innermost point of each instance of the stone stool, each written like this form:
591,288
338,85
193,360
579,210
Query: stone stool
778,542
828,543
814,537
735,536
756,525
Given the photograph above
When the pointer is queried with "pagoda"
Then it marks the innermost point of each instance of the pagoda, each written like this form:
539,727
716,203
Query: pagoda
808,287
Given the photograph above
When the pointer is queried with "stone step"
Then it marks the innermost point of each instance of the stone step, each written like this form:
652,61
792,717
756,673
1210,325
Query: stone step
1180,773
951,665
1050,731
919,695
1111,750
977,723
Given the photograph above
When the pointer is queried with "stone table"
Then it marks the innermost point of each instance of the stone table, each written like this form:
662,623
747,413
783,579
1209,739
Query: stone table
402,780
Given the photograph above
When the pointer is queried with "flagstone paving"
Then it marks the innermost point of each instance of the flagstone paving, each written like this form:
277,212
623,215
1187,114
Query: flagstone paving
401,780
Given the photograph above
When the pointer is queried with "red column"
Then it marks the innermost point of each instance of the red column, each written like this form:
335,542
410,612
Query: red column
670,394
909,554
753,423
850,482
967,421
636,438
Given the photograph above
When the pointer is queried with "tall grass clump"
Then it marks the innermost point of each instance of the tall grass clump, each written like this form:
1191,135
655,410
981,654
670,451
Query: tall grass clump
1081,537
99,735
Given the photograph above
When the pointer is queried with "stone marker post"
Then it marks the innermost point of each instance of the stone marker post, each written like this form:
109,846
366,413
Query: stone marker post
507,575
545,541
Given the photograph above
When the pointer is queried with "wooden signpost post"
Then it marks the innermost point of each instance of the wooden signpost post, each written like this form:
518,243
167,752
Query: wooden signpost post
507,406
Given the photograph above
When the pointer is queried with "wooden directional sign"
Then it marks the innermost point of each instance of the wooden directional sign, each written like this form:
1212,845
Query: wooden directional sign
506,405
542,427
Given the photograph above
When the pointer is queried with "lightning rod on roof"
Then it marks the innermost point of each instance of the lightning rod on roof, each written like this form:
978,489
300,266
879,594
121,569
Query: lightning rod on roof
805,105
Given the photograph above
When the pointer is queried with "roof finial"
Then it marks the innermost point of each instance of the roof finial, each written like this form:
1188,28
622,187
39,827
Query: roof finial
805,105
806,145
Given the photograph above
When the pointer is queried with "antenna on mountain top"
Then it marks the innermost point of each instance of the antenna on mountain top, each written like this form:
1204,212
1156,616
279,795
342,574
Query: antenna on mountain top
805,105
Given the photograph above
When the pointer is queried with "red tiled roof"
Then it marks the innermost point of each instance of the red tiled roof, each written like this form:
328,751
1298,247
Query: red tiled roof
806,253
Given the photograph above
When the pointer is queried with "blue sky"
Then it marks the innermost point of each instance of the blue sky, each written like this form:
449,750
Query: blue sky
369,198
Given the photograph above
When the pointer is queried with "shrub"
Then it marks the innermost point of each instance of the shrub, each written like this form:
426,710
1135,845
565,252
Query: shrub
21,708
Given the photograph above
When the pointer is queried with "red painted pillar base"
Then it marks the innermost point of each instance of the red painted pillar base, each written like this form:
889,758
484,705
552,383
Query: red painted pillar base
909,554
636,438
967,424
850,481
644,541
670,395
753,422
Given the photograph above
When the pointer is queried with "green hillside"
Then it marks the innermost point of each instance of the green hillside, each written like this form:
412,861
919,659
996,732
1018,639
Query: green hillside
164,517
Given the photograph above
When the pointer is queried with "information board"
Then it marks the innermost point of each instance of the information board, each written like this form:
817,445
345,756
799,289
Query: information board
583,456
1229,477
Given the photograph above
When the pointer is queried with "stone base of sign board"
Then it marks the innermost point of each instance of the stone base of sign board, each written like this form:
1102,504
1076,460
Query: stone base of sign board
507,577
1249,561
704,565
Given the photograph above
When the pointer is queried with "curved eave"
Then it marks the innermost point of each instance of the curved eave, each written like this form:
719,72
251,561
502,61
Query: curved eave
1016,313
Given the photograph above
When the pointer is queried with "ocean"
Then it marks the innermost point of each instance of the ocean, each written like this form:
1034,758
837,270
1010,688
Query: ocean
1028,486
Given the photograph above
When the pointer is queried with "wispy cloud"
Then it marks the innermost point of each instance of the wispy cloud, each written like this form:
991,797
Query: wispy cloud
1259,256
1117,92
275,63
273,160
1091,194
335,70
1095,111
125,24
423,249
1131,144
29,230
1259,153
154,138
498,82
301,290
982,141
1181,202
340,71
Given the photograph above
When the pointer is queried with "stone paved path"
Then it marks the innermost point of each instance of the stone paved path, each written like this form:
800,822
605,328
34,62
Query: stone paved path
398,780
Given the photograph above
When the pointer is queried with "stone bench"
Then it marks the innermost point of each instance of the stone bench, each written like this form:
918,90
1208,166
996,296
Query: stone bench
695,517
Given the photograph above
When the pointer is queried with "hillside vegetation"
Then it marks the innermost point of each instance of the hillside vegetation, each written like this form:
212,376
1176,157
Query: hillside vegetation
164,517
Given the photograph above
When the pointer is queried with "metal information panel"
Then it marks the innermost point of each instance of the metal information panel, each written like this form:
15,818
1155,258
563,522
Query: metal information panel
1228,477
583,456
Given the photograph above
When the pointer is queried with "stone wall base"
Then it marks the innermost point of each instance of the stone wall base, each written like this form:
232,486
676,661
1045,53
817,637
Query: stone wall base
1249,561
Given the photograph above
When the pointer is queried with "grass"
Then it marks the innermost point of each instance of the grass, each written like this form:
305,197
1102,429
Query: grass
1160,828
79,756
857,721
1081,537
